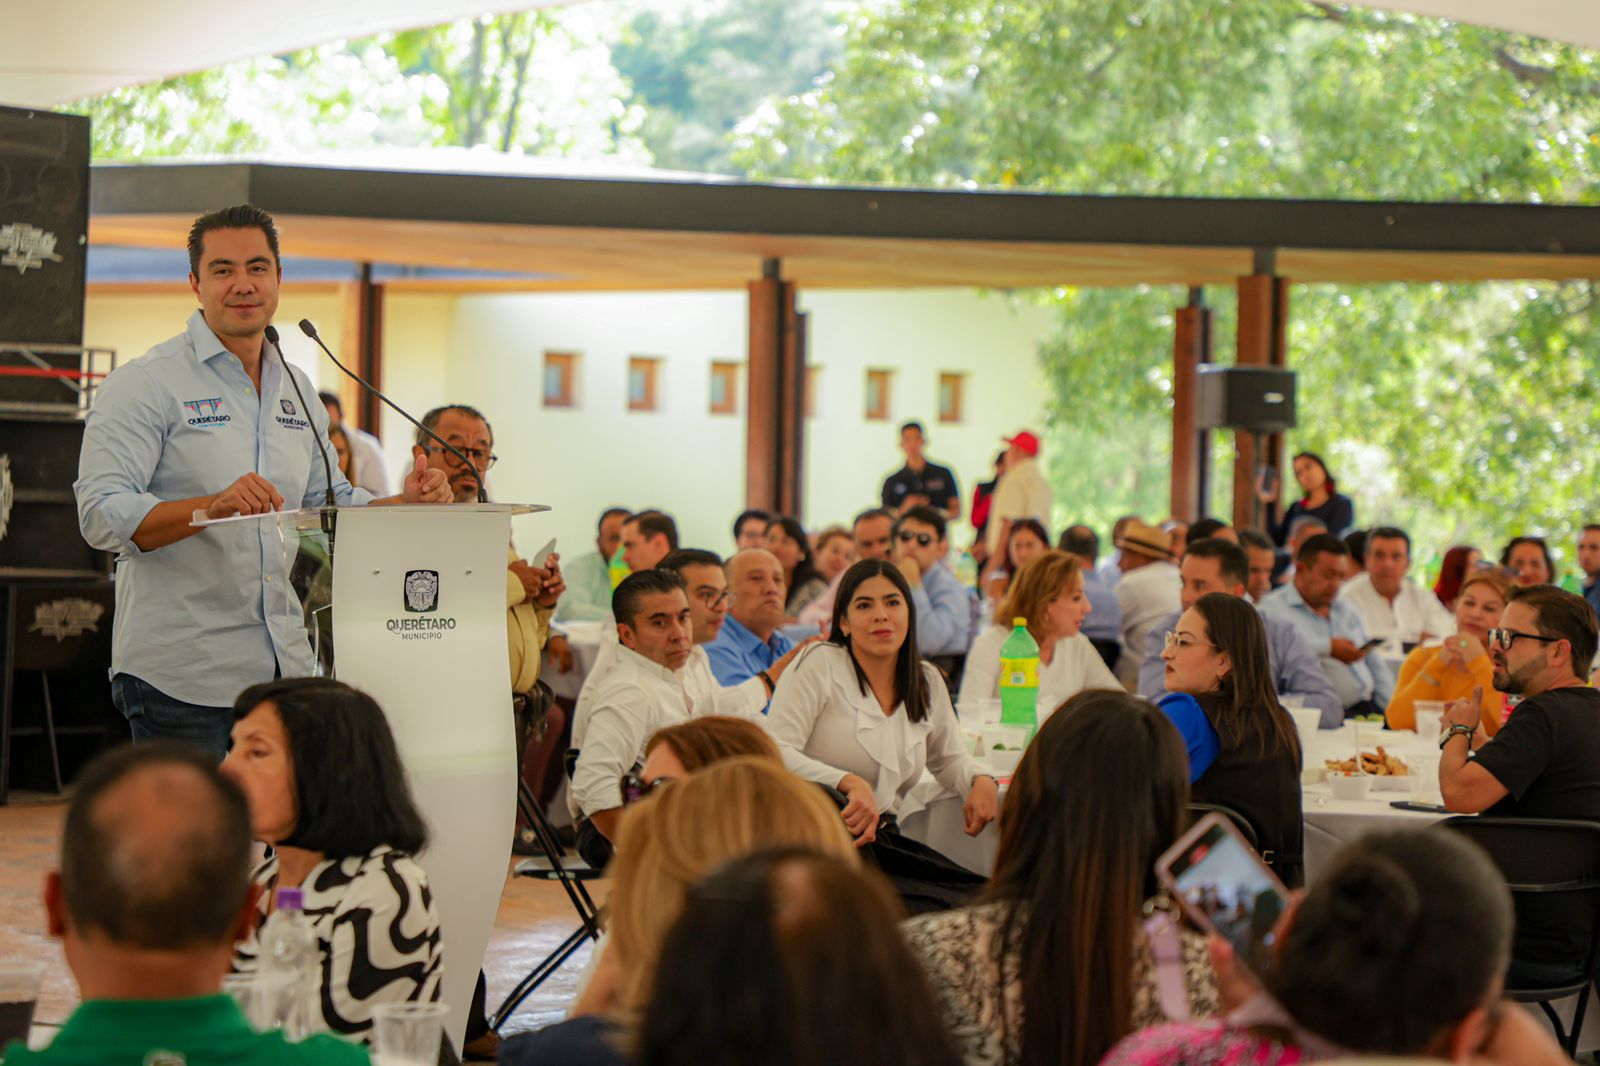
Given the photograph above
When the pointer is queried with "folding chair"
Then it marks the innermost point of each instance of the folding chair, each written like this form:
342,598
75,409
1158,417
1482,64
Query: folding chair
1553,870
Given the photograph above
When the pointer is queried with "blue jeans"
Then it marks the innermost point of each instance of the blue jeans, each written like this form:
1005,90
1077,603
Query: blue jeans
154,714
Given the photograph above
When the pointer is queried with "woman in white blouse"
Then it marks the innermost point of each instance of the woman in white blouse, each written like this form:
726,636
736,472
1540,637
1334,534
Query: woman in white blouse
1049,593
863,714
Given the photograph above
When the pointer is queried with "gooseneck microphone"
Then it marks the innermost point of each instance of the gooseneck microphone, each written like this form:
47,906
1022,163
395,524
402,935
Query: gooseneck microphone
311,331
329,500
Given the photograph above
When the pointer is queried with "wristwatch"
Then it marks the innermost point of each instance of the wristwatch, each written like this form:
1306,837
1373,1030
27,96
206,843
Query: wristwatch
1458,730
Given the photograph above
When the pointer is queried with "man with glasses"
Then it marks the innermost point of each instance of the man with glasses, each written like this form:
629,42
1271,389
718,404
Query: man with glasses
944,607
707,585
1545,761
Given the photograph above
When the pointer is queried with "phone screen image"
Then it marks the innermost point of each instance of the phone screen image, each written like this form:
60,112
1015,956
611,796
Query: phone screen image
1224,886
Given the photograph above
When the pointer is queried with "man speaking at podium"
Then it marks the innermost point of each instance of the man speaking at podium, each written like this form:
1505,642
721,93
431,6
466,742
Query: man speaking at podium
209,421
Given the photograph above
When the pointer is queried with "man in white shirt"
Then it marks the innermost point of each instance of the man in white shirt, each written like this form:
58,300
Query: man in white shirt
1150,590
1391,606
367,468
1022,492
641,691
707,585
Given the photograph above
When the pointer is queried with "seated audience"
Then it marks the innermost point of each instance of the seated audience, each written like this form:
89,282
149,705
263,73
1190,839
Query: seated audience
367,467
1545,760
920,483
1355,542
1263,561
329,794
1103,626
1459,563
1055,965
1025,542
1111,566
1177,530
1331,627
1215,565
1049,593
679,750
681,832
1589,563
751,641
1460,666
706,583
588,595
152,893
789,544
872,536
944,606
767,960
750,529
861,712
1148,592
1320,499
647,538
835,552
1392,606
1244,751
1301,530
1398,950
640,691
341,450
1213,527
1528,559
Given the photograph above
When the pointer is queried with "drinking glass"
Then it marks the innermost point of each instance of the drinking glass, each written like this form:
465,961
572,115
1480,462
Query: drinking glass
408,1034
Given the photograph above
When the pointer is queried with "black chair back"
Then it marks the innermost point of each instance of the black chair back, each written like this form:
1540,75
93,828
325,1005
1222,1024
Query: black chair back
1198,811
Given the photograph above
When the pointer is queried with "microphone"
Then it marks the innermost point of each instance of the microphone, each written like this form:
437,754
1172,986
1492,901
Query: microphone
311,331
328,498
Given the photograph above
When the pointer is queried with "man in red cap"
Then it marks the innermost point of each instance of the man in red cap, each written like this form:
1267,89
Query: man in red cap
1022,492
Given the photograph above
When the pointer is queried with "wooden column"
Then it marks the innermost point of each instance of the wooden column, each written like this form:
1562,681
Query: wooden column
1263,324
361,349
775,398
1190,455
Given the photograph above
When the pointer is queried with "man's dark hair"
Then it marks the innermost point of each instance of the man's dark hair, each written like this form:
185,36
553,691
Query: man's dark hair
1080,541
331,399
1206,527
431,420
187,890
239,216
871,512
1254,538
1381,533
752,515
639,584
1567,616
1232,561
1357,541
608,512
653,522
914,425
677,560
928,516
1319,544
1591,527
350,787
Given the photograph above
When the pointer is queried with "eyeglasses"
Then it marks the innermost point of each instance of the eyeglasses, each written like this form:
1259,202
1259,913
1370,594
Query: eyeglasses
636,788
1183,640
1504,638
923,539
712,598
481,459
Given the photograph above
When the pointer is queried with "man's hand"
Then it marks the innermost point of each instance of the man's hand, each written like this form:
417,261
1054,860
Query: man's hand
560,652
251,494
543,584
908,566
1465,711
983,803
861,813
1345,650
426,485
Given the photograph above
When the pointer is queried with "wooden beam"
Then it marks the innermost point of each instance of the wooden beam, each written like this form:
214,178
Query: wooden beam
775,374
1191,349
1263,331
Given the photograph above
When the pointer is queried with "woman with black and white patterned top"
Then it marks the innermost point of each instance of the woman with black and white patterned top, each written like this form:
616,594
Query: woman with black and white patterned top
328,793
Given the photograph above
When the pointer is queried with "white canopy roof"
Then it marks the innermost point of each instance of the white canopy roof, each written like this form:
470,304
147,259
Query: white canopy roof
55,52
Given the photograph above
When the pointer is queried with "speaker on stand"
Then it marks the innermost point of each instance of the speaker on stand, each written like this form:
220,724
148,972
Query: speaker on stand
1258,400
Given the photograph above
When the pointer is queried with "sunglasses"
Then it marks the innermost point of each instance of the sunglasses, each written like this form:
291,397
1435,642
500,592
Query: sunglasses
636,788
924,539
1504,638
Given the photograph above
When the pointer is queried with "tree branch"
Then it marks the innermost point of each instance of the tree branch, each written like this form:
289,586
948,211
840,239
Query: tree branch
1524,72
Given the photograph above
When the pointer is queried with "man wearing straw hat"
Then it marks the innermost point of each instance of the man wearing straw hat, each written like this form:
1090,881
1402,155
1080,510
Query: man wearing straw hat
1148,592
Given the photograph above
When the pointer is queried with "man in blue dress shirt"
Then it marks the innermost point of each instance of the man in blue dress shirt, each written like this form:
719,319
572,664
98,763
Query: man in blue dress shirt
751,640
945,608
209,423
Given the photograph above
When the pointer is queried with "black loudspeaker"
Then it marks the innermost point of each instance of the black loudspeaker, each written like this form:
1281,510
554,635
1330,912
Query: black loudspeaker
1257,399
44,234
38,512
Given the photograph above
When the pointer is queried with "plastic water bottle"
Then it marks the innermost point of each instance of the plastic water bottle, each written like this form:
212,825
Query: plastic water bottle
288,968
1019,678
617,569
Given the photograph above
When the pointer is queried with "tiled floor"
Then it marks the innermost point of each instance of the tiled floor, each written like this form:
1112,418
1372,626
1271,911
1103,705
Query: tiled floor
533,918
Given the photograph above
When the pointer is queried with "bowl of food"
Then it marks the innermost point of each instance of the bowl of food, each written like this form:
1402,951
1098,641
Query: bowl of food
1349,786
1389,772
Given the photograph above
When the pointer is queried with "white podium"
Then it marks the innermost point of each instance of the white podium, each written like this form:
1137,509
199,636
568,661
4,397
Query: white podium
419,623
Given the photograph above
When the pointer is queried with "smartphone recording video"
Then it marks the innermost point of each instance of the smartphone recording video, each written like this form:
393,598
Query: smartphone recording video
1225,888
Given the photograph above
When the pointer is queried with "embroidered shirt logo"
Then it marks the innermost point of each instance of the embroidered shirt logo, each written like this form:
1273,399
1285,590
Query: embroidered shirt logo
206,412
288,407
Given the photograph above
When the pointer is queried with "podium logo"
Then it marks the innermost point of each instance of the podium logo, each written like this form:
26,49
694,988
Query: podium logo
422,591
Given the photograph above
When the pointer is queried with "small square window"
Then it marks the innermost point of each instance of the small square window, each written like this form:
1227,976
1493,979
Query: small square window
642,375
952,396
879,384
724,388
560,379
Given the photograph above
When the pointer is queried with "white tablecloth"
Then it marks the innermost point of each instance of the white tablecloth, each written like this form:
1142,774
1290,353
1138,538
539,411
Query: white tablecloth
584,639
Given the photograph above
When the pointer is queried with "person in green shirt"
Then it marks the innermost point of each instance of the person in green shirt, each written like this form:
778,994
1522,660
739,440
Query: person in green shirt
154,889
588,595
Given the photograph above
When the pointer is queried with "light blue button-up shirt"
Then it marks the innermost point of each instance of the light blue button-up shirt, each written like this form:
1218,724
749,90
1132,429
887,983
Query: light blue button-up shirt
944,609
205,617
1352,681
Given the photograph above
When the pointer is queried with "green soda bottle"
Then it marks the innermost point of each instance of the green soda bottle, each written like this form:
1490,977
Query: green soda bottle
617,569
1019,678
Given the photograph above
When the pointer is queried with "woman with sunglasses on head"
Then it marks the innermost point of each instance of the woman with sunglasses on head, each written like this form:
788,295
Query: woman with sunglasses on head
861,712
1460,665
1244,752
